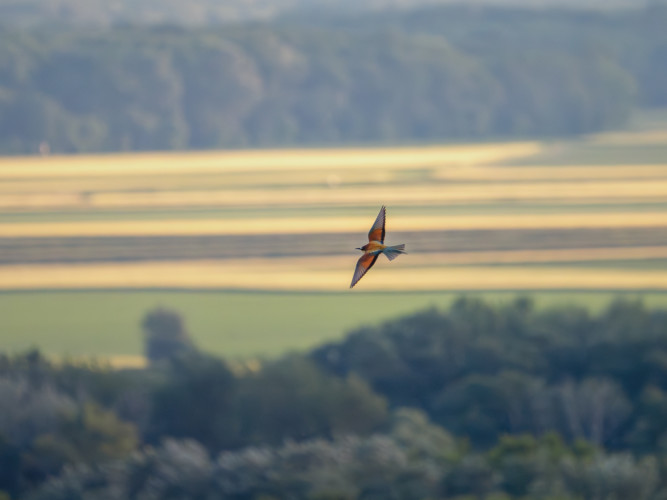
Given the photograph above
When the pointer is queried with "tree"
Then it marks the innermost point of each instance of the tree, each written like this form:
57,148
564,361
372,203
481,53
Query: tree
165,335
293,399
593,409
90,435
197,400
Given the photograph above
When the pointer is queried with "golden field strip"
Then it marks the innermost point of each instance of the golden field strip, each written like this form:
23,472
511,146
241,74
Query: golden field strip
324,275
409,176
337,191
76,184
305,160
647,137
180,175
344,224
607,191
261,160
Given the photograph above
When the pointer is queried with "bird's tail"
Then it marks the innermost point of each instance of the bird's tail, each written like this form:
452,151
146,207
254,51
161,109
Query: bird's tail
395,251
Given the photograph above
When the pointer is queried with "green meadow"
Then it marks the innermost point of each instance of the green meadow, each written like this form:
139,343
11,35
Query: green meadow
237,325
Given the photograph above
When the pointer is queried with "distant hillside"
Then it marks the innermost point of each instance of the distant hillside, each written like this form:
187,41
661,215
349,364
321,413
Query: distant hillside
431,74
104,12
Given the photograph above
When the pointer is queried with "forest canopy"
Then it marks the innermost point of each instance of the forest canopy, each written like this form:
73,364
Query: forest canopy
478,401
435,74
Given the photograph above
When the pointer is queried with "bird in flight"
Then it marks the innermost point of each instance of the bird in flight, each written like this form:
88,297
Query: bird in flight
375,247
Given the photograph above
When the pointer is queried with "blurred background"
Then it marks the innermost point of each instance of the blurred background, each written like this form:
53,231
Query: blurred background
183,185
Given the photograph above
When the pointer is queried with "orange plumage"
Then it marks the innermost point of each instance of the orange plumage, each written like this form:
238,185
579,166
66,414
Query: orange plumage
375,247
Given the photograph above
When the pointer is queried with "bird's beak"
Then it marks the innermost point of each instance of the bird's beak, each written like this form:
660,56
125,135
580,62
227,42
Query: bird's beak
357,248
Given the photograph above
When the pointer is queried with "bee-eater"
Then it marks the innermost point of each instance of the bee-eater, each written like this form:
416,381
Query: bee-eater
375,247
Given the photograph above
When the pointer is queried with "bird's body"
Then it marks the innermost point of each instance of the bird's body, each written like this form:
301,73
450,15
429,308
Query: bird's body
375,247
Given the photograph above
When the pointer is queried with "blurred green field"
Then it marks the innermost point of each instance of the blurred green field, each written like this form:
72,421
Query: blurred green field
236,325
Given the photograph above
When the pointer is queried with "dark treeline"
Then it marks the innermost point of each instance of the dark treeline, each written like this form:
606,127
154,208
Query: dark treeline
483,372
430,75
477,402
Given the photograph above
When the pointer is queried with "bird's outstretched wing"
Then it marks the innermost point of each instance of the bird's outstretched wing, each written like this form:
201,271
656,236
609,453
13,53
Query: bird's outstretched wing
377,231
364,263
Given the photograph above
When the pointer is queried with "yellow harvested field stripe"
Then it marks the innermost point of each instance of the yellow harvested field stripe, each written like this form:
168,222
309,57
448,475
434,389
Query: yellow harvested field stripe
419,194
226,161
85,190
542,256
185,180
220,275
644,137
119,361
489,173
70,189
331,225
116,361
